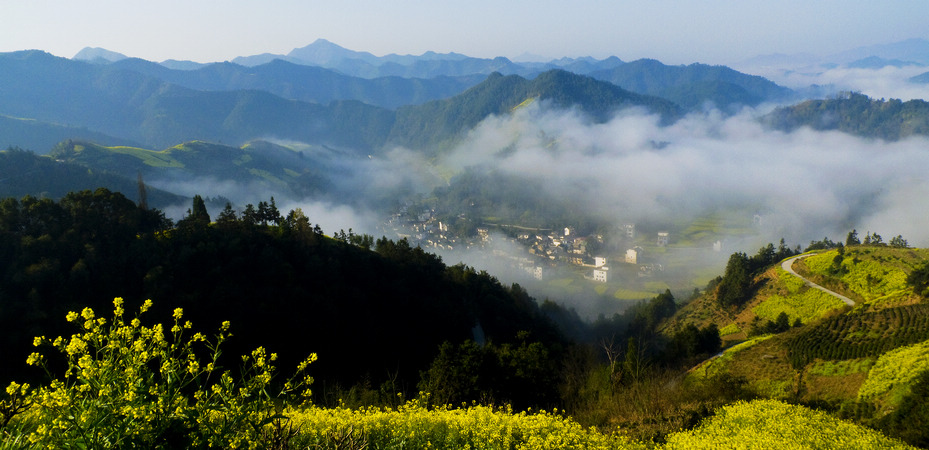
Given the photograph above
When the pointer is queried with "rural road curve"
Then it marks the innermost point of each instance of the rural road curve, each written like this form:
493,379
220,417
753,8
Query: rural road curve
787,265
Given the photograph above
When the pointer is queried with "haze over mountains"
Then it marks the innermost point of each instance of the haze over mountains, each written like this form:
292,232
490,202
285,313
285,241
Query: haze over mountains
366,140
224,102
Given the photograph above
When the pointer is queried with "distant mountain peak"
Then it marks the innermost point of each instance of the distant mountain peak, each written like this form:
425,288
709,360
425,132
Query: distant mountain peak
876,62
97,54
325,53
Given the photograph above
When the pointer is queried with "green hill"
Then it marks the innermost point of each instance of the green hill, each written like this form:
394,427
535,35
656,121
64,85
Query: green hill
41,137
262,165
437,124
856,114
694,85
862,363
24,173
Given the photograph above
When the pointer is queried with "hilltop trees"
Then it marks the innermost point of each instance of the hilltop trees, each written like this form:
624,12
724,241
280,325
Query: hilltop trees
735,285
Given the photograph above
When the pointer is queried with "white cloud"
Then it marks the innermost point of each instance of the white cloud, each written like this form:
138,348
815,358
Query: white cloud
807,184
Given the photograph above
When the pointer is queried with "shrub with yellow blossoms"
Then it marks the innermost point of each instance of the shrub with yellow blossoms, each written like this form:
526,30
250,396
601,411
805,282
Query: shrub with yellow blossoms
128,385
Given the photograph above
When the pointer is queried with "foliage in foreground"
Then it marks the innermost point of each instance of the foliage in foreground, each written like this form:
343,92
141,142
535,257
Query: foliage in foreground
127,385
131,386
414,425
765,424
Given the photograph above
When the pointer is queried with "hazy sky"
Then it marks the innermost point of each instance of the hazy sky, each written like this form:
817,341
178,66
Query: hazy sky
675,32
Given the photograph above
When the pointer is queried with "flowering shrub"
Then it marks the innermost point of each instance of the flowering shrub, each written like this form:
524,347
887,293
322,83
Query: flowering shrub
894,373
414,425
127,385
766,424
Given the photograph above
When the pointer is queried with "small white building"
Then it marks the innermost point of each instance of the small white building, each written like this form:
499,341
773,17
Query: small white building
538,273
601,274
632,256
599,261
629,229
663,238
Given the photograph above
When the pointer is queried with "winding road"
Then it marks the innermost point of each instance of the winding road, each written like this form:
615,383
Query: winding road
787,265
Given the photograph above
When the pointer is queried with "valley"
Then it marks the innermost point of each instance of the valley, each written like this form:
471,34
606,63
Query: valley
475,251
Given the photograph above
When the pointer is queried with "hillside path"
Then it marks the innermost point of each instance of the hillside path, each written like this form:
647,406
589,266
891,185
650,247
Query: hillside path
787,265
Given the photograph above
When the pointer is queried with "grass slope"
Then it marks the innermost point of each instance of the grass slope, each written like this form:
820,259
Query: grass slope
871,353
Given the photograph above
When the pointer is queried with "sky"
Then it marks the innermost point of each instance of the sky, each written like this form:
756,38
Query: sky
675,32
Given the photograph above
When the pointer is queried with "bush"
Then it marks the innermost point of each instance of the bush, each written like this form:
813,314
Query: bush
131,386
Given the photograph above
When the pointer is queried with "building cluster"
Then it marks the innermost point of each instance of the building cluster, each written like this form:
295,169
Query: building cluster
425,230
545,248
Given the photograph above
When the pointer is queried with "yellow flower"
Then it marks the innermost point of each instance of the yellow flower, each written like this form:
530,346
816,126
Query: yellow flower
146,305
14,387
178,313
71,316
33,359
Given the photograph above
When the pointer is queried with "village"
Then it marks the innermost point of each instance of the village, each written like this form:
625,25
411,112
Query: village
537,251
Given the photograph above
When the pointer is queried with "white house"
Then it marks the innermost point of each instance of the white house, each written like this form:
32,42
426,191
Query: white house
602,274
629,229
599,261
663,238
632,256
538,273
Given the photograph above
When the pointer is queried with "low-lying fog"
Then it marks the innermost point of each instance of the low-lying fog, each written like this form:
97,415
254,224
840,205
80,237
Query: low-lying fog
804,185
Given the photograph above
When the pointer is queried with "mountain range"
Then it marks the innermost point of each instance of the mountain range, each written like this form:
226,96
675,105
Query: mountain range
104,101
120,100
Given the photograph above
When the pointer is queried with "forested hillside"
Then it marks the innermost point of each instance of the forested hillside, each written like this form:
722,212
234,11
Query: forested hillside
856,114
438,123
24,173
373,311
695,85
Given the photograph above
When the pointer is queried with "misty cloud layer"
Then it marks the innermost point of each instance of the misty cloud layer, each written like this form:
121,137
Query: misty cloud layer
887,82
805,185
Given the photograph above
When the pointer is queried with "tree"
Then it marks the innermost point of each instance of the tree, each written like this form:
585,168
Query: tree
143,193
197,216
273,214
735,286
250,216
782,323
852,238
635,366
919,280
227,216
899,242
